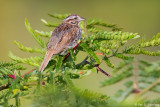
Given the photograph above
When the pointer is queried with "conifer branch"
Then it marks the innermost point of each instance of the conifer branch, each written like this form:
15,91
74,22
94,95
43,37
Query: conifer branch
49,24
59,16
29,49
108,44
148,88
43,34
31,31
34,61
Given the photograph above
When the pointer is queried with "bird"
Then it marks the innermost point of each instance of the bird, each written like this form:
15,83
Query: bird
64,37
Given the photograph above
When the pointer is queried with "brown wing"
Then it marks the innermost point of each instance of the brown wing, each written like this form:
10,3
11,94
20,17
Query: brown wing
60,39
57,35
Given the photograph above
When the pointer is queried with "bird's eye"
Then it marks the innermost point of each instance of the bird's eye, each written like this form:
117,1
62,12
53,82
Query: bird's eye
75,18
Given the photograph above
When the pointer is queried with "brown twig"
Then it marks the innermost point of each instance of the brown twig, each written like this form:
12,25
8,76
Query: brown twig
76,45
83,62
28,72
69,53
4,87
99,69
66,56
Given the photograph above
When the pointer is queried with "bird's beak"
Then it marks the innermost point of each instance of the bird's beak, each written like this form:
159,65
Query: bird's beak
81,18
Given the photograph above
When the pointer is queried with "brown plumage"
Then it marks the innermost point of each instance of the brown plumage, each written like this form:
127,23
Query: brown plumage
63,37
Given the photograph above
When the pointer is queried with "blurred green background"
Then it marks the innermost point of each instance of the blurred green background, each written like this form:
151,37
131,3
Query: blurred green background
141,16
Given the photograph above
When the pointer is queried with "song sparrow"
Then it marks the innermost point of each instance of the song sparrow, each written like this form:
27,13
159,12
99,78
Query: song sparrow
63,37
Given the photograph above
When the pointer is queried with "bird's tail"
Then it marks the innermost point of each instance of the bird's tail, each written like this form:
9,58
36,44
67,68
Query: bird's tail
47,58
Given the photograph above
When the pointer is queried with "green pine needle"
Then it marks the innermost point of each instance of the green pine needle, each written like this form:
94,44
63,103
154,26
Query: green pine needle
29,49
31,31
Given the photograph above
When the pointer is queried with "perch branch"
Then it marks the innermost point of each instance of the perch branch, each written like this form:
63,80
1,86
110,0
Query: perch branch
69,53
28,72
99,69
83,62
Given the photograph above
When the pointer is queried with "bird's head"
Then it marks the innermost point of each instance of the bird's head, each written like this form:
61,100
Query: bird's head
73,19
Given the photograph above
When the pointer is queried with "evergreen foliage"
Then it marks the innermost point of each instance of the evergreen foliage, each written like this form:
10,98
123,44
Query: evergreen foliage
147,78
69,96
58,75
106,42
9,68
